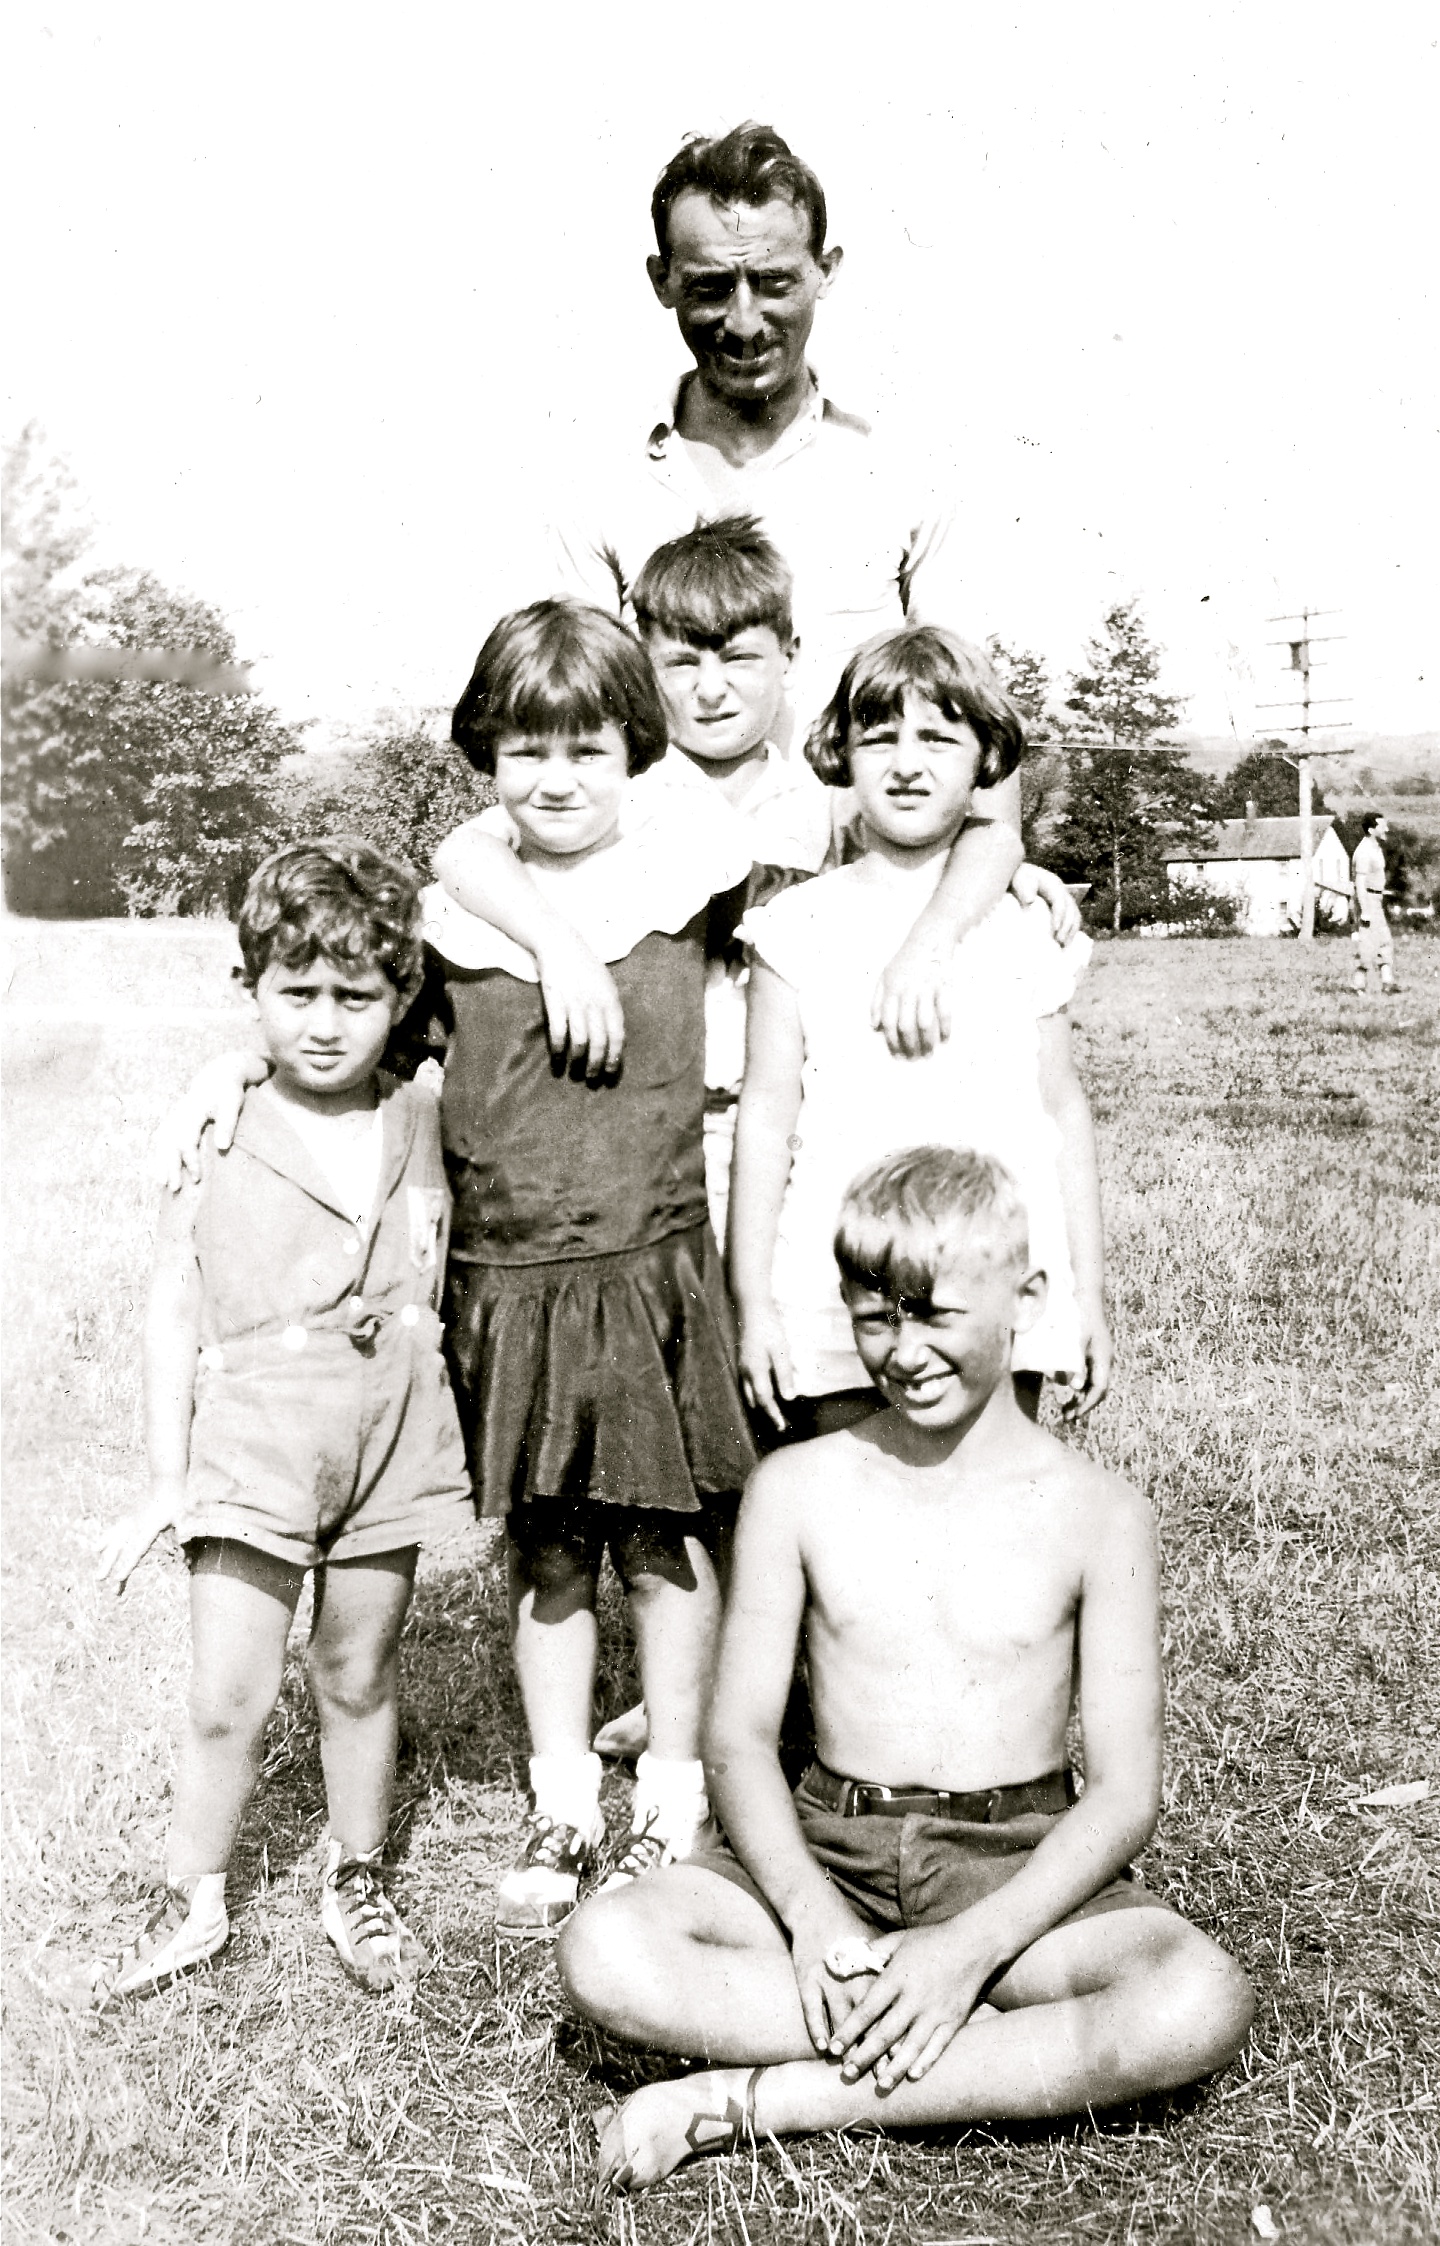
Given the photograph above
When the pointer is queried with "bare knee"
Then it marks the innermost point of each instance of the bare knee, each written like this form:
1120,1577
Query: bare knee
353,1683
224,1707
1199,2005
599,1948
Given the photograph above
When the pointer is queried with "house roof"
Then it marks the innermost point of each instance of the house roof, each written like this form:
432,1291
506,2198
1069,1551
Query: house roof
1253,838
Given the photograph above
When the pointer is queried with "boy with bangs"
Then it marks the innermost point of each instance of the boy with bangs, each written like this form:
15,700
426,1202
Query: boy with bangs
939,1925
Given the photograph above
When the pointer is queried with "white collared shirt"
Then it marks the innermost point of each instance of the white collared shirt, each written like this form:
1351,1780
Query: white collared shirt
861,530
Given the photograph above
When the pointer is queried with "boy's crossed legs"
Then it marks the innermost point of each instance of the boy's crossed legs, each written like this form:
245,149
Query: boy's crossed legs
242,1604
1098,2011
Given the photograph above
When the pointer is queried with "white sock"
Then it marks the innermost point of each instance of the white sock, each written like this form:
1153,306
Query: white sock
207,1899
335,1855
670,1799
567,1788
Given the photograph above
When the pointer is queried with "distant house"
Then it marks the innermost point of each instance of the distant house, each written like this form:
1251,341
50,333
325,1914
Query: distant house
1258,861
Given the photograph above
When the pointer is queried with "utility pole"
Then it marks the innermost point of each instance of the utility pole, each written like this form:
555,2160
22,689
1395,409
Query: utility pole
1300,660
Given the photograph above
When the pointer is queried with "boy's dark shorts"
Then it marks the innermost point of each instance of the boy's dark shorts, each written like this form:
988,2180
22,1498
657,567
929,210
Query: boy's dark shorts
555,1538
897,1872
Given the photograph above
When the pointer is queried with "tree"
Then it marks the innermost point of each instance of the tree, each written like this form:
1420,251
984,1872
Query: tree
1130,794
121,797
1265,778
400,788
1043,786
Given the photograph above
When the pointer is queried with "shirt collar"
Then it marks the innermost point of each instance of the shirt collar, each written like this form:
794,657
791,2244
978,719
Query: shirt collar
802,431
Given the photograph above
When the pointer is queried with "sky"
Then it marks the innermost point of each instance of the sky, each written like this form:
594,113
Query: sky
319,304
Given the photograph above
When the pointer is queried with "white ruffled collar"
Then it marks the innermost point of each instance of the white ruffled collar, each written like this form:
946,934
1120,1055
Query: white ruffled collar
613,900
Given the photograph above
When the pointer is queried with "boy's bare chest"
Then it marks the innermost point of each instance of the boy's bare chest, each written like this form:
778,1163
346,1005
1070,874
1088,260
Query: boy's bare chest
963,1586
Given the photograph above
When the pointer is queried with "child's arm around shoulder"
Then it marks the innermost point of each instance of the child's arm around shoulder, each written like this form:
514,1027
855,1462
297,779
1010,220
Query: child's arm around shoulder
171,1351
911,1006
582,1006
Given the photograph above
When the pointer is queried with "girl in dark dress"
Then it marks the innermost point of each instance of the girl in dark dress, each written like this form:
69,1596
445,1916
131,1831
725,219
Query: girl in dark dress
589,1329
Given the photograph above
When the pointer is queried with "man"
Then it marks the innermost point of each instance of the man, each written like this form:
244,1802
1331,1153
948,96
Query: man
1374,946
741,260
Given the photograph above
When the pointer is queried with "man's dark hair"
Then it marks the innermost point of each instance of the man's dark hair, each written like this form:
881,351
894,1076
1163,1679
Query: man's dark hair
920,659
340,900
750,164
1370,821
718,579
560,667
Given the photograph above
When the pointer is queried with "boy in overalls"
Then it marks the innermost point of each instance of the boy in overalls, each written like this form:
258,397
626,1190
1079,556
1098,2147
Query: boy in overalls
298,1414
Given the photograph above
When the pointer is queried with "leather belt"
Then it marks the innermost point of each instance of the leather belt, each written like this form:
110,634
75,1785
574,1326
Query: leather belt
993,1805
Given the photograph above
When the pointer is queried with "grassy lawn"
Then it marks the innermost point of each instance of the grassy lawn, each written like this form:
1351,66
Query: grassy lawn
1272,1172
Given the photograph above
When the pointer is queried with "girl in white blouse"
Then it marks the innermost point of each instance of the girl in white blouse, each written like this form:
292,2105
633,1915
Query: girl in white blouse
917,721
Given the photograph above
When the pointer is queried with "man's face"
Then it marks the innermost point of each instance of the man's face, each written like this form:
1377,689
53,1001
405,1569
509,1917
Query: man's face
722,702
1380,830
743,282
938,1362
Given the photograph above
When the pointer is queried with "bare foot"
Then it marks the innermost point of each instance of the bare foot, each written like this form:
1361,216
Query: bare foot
668,2122
624,1737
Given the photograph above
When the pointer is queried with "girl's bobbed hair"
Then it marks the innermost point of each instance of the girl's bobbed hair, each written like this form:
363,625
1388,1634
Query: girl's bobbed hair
560,667
918,659
340,899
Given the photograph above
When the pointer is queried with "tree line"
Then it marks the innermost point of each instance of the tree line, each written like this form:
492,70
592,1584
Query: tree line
132,796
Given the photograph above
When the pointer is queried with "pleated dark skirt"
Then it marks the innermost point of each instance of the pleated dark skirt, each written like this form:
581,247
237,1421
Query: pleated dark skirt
611,1378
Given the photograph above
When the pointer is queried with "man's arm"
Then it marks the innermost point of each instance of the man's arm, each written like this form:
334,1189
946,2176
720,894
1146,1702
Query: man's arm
170,1351
582,1005
937,1974
764,1609
1065,1100
764,1125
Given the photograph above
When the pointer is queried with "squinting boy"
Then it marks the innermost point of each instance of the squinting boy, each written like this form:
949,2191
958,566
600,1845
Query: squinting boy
298,1414
934,1928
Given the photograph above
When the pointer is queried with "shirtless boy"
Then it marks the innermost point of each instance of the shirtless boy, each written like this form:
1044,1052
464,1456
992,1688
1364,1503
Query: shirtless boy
934,1928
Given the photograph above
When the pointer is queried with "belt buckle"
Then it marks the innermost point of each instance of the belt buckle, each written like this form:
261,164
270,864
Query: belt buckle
865,1791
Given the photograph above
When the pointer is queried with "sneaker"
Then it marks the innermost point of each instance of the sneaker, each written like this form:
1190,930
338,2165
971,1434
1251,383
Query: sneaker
172,1943
373,1943
538,1896
646,1852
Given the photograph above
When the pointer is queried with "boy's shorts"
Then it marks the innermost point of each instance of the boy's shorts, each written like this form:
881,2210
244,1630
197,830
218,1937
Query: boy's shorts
326,1448
556,1537
898,1872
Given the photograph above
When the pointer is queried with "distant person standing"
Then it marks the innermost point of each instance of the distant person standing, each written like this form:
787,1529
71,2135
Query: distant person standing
1374,945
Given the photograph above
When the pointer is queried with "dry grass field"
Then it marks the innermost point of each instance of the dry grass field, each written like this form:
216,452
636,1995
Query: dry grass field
1272,1170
